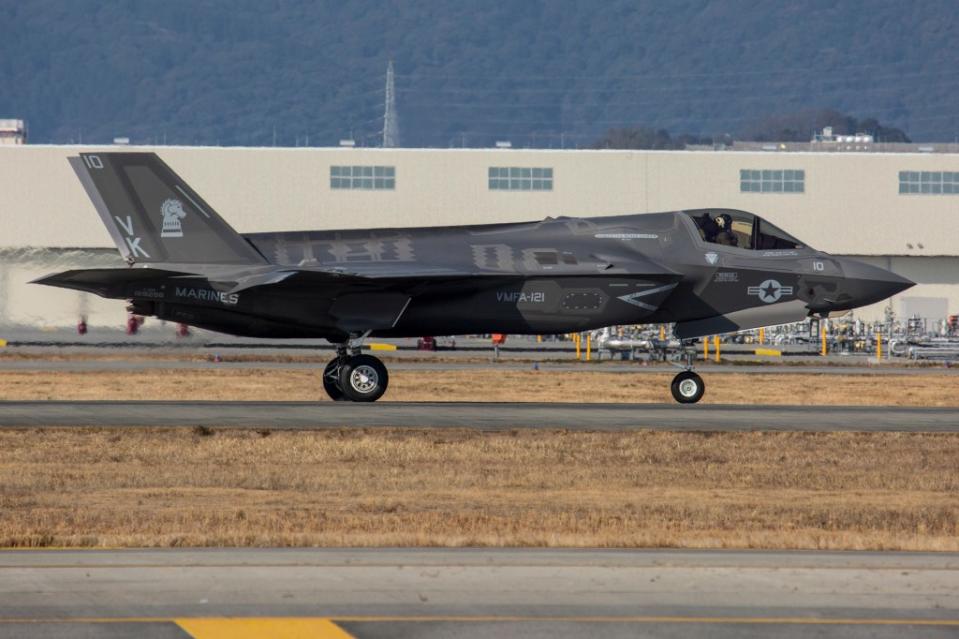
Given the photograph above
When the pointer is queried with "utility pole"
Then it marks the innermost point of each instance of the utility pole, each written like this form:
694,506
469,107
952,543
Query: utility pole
391,124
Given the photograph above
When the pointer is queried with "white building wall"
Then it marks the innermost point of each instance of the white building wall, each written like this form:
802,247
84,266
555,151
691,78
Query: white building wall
851,204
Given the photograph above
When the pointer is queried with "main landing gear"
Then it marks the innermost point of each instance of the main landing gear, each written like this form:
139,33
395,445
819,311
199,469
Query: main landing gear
687,386
355,377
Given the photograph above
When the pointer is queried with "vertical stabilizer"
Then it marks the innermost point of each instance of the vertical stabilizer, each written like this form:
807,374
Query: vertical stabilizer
154,216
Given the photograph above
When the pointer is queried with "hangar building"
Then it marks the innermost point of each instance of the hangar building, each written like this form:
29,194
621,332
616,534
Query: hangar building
899,210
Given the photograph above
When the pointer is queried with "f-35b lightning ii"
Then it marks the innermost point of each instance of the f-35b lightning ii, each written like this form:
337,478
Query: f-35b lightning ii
707,271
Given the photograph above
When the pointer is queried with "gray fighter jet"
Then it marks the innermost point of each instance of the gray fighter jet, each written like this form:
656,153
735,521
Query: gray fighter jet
707,271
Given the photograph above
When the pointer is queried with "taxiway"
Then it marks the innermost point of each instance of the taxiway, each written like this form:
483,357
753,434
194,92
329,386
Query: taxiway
482,415
373,593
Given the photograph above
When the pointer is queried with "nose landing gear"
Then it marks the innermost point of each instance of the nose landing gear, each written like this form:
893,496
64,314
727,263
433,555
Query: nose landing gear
688,387
355,377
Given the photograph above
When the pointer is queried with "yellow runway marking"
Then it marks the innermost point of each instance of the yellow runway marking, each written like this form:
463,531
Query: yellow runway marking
277,628
288,627
382,347
770,352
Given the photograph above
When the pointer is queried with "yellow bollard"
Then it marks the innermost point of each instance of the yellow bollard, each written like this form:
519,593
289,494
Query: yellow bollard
716,346
823,349
662,332
762,335
589,343
539,339
705,348
878,347
576,338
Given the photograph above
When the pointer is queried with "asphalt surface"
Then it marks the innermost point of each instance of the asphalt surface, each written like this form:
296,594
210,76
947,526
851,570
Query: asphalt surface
484,415
391,593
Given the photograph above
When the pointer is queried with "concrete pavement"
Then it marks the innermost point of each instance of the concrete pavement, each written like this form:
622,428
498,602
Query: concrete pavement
477,592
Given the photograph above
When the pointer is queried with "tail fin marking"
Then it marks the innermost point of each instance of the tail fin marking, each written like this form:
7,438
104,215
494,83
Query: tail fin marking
154,216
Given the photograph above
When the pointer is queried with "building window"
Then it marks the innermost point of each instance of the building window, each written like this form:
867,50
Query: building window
772,181
515,178
363,177
929,182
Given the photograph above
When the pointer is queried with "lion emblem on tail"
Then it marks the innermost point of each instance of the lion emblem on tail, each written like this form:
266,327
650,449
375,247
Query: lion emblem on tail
173,212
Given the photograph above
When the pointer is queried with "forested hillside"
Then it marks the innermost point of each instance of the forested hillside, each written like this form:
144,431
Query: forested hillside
538,72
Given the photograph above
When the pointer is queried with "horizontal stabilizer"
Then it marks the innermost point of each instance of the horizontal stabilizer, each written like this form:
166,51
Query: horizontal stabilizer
104,281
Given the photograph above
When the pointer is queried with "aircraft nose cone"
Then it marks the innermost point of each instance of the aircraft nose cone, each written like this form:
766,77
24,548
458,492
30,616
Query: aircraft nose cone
867,284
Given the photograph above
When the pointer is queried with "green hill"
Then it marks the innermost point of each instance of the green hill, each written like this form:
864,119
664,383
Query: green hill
540,72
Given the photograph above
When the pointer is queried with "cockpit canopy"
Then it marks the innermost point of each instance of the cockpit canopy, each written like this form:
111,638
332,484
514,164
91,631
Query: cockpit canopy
730,227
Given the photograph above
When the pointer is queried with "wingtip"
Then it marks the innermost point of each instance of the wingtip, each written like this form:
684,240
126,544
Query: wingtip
45,279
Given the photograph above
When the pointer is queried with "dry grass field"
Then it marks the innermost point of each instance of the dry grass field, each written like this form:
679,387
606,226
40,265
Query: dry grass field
175,487
928,389
198,487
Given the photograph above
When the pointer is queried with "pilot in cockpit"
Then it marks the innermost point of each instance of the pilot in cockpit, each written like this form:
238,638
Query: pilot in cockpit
725,235
707,225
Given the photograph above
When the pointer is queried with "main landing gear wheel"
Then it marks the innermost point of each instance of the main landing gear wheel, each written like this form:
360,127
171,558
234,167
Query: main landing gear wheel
363,378
331,381
687,387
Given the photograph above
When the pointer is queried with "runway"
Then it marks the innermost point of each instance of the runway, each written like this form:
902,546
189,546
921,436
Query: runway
492,416
380,593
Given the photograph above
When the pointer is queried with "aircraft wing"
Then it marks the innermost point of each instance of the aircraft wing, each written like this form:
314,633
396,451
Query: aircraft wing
112,282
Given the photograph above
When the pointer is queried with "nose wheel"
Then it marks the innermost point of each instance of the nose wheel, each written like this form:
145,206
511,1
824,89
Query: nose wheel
687,387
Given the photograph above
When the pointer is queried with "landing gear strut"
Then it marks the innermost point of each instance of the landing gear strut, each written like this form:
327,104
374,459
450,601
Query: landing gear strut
355,377
687,387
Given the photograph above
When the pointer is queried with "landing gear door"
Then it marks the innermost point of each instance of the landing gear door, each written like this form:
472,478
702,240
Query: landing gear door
368,311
